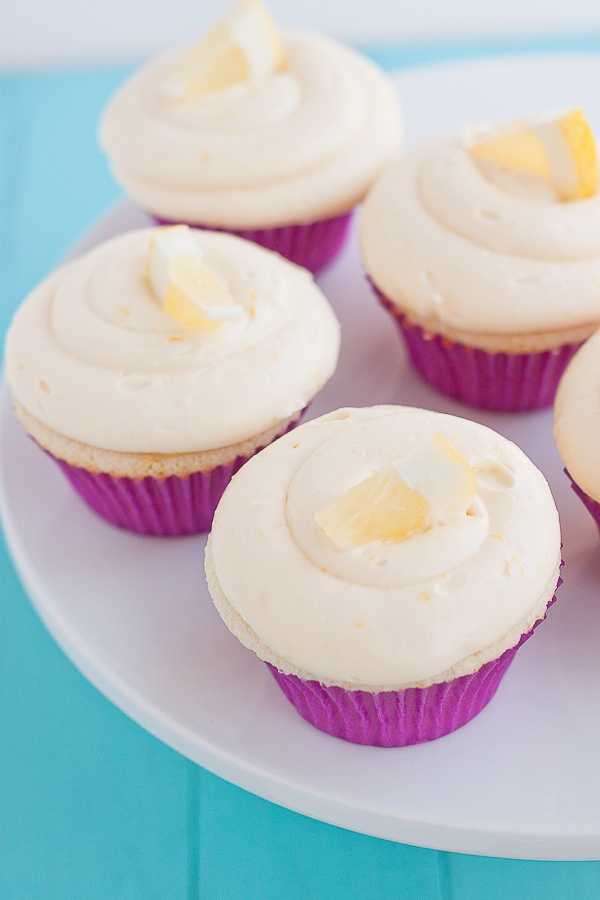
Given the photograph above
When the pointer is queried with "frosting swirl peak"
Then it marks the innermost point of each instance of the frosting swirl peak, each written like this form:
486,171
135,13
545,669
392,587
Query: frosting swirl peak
454,244
384,615
92,354
304,143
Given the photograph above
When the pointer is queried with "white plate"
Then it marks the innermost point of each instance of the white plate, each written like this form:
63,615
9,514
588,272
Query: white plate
134,615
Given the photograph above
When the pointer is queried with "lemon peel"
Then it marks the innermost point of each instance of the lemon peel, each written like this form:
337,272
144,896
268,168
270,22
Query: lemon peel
187,288
430,485
558,148
242,46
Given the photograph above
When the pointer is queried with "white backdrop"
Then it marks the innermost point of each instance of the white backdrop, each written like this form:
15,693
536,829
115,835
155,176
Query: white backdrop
70,32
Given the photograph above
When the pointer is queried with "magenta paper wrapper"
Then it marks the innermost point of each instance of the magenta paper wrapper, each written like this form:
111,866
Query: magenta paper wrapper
398,718
312,245
168,507
592,506
171,506
500,381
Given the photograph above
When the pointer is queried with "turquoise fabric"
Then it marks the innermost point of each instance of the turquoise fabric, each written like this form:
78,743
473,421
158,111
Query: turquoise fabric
91,806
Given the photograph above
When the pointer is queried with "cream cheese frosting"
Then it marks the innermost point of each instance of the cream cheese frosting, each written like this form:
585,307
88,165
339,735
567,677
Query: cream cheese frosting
577,417
301,144
92,354
450,243
384,615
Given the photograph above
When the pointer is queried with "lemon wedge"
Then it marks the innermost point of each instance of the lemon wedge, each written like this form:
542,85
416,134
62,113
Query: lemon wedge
243,45
188,289
430,485
559,148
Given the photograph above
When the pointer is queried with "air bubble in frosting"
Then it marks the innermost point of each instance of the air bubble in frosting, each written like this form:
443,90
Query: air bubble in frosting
451,582
493,475
134,383
489,215
526,280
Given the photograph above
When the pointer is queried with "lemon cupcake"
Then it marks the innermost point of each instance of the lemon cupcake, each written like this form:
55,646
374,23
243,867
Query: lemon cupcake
152,368
274,138
386,563
485,248
577,424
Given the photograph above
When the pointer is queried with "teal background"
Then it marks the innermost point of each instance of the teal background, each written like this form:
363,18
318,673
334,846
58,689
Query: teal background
91,806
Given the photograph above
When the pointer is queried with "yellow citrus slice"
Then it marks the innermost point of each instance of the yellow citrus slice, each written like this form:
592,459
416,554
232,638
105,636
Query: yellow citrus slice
187,288
557,148
430,485
243,45
441,474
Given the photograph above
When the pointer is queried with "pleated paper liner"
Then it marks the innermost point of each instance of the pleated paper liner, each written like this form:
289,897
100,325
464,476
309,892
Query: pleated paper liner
504,382
172,506
398,718
313,245
592,506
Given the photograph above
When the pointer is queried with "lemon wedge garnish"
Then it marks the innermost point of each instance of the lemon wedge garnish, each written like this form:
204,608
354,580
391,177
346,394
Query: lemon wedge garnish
243,45
430,485
560,149
188,289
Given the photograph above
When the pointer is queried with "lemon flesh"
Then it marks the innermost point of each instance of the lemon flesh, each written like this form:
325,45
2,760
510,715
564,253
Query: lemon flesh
559,149
242,46
429,486
381,508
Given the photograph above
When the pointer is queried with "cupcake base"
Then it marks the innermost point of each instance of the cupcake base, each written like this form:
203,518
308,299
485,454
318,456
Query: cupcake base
504,382
169,507
312,245
398,718
172,506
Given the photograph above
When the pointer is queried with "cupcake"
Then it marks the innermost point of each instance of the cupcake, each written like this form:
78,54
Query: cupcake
485,249
273,138
577,424
152,367
386,563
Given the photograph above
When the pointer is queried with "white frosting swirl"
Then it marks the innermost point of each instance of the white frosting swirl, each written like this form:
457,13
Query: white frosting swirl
303,144
92,354
450,243
577,417
383,614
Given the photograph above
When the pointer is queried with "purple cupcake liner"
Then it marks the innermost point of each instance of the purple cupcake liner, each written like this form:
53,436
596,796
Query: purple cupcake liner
172,506
503,382
167,507
592,506
398,718
312,245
